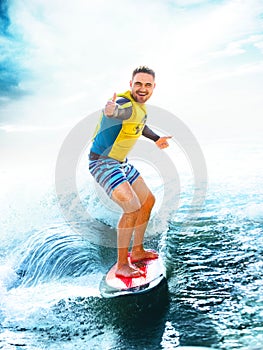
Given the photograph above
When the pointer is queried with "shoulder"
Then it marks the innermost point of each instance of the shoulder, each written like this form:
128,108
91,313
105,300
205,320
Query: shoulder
123,101
124,104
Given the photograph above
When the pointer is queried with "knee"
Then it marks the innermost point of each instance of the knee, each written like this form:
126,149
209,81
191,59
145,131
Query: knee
126,199
147,206
131,205
150,201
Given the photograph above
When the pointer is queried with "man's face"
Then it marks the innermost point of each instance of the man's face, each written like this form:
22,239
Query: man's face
142,86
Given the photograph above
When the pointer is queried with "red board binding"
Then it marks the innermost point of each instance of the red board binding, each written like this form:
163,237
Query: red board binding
112,286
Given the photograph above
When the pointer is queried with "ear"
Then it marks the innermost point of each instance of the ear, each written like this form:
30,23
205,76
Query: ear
130,83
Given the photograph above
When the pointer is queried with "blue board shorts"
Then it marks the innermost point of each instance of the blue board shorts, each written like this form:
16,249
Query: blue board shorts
110,173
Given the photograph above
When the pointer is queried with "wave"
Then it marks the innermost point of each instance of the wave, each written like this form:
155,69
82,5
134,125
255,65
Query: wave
59,252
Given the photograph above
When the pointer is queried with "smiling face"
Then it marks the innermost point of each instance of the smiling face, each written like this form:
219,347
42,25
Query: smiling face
142,86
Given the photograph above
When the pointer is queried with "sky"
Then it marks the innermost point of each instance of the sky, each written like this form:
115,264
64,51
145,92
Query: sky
61,60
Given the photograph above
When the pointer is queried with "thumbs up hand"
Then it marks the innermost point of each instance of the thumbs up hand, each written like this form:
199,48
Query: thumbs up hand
110,106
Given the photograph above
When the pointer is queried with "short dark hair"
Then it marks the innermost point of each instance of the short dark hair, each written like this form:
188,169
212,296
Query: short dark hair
143,69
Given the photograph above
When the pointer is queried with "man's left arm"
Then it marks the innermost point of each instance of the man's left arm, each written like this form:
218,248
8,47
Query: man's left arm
160,141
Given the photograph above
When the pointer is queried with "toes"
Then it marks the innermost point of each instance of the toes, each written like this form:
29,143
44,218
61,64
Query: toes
128,272
146,255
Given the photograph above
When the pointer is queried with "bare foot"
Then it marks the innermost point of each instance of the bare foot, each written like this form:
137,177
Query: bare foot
143,255
127,271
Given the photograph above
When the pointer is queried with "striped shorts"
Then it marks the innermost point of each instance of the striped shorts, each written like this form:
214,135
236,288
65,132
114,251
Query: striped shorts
110,173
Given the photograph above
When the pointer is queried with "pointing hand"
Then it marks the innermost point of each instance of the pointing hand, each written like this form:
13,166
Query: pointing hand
162,142
110,106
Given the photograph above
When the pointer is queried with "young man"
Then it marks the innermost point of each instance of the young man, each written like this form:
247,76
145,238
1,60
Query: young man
122,122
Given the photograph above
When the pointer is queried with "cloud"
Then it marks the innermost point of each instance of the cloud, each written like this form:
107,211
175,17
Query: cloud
12,71
243,70
200,32
70,56
15,128
259,45
9,79
83,42
240,47
193,3
4,19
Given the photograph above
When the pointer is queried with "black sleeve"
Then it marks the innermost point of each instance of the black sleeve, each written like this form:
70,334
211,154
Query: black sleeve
147,132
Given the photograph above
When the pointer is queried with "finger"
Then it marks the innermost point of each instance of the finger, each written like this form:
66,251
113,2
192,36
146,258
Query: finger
114,97
168,137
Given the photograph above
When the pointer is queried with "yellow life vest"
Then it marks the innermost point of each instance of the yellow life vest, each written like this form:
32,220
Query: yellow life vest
131,129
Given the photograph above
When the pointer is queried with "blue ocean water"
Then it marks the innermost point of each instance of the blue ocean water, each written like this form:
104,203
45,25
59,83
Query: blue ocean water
50,273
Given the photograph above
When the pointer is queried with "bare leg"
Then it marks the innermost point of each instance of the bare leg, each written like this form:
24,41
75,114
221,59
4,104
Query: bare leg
126,198
147,201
